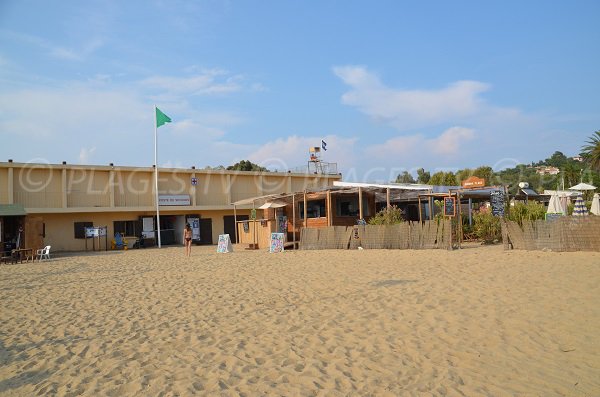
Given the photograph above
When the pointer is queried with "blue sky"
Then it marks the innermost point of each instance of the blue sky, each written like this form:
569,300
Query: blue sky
389,85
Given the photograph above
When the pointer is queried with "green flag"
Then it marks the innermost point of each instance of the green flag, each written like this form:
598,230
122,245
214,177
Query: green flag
161,118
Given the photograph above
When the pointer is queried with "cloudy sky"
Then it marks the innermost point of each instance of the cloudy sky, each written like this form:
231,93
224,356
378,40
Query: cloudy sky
389,85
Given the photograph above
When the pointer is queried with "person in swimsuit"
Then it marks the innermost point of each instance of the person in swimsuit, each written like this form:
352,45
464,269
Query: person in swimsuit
187,239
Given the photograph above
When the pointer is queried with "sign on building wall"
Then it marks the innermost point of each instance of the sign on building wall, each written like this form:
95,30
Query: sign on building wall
194,181
174,199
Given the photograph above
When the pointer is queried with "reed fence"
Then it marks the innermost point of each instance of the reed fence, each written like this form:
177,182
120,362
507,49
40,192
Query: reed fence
563,234
407,235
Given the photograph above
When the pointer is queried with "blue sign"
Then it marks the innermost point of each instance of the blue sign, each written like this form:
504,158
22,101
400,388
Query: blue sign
194,181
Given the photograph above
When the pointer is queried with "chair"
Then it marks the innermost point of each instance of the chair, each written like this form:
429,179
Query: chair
43,253
118,242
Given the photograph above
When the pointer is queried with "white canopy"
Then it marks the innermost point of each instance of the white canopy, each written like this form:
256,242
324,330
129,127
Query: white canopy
596,204
582,186
271,204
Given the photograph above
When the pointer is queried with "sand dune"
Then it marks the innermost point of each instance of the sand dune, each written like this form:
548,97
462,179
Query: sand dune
479,321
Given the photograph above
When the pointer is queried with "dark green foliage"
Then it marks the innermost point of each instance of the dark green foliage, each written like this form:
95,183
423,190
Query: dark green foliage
405,177
246,165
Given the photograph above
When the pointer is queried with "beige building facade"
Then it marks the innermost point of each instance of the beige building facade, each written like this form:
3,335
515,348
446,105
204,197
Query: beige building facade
53,204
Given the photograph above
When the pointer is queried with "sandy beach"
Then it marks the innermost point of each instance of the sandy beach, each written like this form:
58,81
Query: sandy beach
475,322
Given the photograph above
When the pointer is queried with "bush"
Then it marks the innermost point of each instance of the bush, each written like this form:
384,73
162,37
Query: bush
391,216
531,211
487,227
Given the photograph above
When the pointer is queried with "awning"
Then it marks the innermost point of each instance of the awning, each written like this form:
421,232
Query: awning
12,210
271,204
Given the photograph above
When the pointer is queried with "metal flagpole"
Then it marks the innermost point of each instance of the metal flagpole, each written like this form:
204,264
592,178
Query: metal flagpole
156,177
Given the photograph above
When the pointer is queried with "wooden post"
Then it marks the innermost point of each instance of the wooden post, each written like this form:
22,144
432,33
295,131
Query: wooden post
360,203
420,217
328,207
305,217
387,198
294,217
235,224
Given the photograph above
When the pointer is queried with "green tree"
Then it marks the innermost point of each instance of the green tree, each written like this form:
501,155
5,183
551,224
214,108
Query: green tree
423,176
591,151
485,172
556,160
443,179
246,165
405,177
461,175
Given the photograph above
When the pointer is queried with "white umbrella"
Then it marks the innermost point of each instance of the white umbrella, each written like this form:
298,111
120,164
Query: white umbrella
596,204
582,186
555,205
580,208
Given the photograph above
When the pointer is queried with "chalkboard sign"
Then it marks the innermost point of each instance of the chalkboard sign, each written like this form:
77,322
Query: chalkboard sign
497,203
449,206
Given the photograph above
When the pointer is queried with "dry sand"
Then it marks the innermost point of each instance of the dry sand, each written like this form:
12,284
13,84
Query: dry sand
479,321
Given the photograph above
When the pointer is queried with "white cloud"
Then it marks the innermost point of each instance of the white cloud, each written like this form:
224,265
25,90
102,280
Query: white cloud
451,141
85,155
210,82
410,108
293,151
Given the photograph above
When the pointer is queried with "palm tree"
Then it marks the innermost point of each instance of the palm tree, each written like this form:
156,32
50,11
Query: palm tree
591,151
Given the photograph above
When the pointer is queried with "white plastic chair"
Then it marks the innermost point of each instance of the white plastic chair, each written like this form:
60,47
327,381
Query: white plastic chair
43,253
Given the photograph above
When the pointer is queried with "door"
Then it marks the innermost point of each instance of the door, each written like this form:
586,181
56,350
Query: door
34,232
206,231
229,225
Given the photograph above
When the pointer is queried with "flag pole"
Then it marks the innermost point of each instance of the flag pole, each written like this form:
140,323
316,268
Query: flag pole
156,177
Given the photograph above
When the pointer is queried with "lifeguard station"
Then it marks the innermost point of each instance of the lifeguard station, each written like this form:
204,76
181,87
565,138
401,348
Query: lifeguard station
318,166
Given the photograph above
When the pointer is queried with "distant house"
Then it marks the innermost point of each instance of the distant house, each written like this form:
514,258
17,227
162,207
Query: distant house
545,170
578,158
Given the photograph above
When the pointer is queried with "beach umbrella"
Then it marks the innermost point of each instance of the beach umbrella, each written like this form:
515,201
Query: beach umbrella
582,186
596,204
580,208
555,205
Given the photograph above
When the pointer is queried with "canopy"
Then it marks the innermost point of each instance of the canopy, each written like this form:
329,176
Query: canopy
580,208
582,186
596,204
555,205
271,204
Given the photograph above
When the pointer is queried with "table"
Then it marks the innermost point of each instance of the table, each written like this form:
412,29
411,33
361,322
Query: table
23,253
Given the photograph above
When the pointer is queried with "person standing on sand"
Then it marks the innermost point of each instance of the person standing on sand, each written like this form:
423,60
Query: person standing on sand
187,239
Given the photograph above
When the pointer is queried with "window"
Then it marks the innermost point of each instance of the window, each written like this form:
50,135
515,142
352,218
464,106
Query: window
315,209
127,228
348,206
80,228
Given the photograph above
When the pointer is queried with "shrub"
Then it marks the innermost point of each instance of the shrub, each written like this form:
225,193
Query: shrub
386,216
487,227
531,211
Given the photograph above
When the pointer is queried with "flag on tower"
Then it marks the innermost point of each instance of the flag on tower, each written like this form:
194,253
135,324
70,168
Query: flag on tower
323,144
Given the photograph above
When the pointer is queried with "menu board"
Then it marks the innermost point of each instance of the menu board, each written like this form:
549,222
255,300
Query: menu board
224,245
497,203
449,206
276,242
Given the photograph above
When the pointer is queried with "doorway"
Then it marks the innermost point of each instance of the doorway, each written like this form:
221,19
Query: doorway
206,231
229,225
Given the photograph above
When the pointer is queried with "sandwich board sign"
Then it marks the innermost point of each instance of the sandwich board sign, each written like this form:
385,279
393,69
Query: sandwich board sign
276,243
224,245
